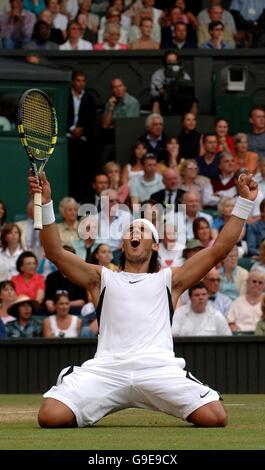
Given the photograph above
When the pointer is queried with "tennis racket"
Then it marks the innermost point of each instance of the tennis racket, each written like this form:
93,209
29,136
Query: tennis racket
38,129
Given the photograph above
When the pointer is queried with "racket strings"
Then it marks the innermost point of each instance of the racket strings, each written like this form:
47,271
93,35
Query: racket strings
38,125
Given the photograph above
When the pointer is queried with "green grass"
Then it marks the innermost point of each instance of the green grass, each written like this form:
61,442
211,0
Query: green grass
133,429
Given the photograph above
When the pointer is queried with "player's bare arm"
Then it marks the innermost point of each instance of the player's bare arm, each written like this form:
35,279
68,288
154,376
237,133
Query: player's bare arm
200,264
77,270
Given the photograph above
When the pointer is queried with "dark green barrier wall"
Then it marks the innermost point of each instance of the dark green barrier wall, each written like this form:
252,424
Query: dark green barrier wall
15,78
230,365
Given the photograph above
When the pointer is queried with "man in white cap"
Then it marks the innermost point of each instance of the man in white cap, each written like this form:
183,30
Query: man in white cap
134,365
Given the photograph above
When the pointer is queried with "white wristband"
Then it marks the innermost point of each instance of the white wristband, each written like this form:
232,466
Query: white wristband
242,208
48,216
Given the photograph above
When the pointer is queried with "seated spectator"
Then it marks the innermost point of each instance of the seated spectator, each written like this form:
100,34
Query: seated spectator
260,326
198,318
259,265
233,277
11,248
216,29
56,34
68,208
147,11
244,158
89,327
215,13
224,140
219,301
170,155
224,185
168,22
141,188
74,41
102,256
57,283
193,206
28,282
40,39
256,232
59,20
61,324
7,298
85,33
111,40
187,11
91,20
208,160
113,172
192,181
249,16
16,26
135,167
170,250
226,17
24,326
145,41
69,8
180,39
202,231
245,311
119,5
256,137
114,16
155,137
189,137
171,195
225,207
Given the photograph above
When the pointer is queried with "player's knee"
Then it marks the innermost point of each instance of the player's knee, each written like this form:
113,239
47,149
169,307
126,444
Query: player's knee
55,415
220,419
209,416
45,419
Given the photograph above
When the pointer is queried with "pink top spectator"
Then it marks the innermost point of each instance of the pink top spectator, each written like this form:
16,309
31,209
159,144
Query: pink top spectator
31,287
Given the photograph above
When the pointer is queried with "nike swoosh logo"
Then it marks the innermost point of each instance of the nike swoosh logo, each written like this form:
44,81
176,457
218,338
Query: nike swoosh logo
204,395
134,282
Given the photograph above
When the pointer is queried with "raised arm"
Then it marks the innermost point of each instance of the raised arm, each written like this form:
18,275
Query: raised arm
200,264
73,267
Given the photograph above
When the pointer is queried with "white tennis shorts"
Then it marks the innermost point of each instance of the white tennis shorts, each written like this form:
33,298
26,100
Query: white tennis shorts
102,386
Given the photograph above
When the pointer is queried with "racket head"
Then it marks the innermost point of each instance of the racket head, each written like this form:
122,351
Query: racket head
37,124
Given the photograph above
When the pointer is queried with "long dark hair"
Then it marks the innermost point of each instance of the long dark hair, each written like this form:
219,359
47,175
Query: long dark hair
154,264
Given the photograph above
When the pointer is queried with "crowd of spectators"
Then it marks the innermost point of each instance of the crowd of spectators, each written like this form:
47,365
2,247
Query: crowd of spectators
125,24
184,183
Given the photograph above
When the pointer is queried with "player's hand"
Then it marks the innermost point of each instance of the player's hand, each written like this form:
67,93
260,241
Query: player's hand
44,189
247,187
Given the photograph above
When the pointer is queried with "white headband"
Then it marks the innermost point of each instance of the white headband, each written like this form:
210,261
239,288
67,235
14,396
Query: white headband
150,226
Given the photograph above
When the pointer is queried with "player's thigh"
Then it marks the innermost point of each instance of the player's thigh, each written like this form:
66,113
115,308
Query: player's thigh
173,391
92,392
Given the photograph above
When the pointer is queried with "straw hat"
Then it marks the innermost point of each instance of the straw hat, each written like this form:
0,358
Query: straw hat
13,309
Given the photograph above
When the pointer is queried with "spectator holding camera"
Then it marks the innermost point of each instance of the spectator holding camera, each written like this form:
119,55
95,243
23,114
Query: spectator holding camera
164,86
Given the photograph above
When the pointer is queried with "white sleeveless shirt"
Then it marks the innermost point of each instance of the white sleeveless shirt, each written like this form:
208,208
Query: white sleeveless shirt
135,314
70,332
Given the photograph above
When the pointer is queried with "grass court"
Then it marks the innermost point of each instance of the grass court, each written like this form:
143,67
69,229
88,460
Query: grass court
133,429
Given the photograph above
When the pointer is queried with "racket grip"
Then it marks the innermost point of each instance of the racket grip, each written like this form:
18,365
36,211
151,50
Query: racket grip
37,211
